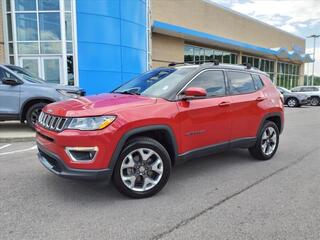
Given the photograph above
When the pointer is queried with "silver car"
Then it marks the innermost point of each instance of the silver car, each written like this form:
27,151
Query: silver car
22,95
312,91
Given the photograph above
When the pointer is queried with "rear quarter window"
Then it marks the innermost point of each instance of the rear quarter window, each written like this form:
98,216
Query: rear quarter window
257,81
240,82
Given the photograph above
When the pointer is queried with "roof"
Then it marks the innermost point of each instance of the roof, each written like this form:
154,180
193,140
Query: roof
223,66
206,38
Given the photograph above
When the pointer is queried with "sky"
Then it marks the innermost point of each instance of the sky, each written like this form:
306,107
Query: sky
299,17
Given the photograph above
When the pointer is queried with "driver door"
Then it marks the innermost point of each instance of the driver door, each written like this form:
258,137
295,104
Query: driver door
205,123
9,95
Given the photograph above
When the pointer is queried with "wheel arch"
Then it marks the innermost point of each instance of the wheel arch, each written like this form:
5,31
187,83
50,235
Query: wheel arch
31,101
162,133
292,97
273,117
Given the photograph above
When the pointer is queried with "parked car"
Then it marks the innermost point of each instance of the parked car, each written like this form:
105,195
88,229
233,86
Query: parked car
293,99
312,91
22,95
135,134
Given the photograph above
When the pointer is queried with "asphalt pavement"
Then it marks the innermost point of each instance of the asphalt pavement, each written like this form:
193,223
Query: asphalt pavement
225,196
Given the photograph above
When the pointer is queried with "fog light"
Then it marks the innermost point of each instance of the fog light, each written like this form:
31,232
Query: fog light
82,154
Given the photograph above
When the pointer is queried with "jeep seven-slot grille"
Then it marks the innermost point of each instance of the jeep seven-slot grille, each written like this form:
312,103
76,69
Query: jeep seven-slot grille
51,122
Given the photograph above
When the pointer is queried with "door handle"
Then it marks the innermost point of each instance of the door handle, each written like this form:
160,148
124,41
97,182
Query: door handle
224,104
259,99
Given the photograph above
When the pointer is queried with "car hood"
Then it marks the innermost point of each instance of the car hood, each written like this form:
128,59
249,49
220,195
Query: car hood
58,86
97,105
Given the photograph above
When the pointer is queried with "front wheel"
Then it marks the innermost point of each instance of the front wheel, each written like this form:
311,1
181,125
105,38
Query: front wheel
267,142
143,168
33,114
292,102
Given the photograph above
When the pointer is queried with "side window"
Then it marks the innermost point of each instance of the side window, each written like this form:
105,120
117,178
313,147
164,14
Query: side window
2,75
257,81
296,89
240,82
212,81
306,89
5,74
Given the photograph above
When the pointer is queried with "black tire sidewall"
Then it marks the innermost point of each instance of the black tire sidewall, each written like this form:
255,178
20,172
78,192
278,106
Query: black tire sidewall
266,125
30,110
131,146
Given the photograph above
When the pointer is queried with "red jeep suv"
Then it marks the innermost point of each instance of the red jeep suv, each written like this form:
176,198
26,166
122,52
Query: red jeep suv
136,133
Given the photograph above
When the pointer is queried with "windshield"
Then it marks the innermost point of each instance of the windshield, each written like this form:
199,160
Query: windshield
284,89
25,74
155,83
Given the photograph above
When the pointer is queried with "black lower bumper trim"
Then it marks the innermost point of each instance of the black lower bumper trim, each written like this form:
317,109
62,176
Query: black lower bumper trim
55,165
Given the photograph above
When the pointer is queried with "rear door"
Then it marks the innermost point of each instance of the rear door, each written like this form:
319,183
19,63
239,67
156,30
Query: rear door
246,98
9,95
205,122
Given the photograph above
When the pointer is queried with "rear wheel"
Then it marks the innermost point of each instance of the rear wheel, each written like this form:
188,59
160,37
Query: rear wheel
314,101
143,168
267,142
33,114
292,102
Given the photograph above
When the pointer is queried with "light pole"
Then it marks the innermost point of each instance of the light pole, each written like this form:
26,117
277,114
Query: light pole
314,36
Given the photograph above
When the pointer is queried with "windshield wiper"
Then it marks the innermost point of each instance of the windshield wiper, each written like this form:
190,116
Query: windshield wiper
128,92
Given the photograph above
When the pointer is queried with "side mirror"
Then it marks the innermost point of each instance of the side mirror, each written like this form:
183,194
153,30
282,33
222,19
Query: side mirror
194,93
10,81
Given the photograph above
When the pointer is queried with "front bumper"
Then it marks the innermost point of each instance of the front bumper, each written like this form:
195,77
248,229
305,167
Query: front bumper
57,166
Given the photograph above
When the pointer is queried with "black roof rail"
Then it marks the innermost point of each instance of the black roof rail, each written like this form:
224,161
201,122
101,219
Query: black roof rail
172,64
214,61
248,65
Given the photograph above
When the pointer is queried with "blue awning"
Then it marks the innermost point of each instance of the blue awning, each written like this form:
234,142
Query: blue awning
206,38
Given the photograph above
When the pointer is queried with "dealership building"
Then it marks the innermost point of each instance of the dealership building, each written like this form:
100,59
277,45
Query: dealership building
99,44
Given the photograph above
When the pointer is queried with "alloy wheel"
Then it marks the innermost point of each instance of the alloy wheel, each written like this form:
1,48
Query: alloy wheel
35,115
269,141
141,169
292,102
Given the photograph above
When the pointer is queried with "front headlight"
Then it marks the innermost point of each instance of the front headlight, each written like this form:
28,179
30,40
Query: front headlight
68,94
91,123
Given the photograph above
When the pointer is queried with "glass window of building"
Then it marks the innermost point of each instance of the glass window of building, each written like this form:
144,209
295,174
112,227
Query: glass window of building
43,38
260,63
288,75
199,55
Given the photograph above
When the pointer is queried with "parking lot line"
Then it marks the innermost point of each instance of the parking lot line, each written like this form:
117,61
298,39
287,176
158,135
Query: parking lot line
19,151
7,145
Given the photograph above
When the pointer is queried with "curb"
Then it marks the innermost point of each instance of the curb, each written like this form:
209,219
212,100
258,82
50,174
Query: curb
18,139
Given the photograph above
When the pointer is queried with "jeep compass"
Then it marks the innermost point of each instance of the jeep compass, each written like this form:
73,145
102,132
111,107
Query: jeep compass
138,132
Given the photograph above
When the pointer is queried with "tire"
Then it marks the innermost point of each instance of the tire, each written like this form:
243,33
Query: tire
314,101
133,169
265,141
292,102
33,113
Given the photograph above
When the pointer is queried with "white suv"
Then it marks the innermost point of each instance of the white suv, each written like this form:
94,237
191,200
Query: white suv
312,91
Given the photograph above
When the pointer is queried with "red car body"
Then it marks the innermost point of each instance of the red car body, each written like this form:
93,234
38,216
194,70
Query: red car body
192,126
